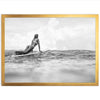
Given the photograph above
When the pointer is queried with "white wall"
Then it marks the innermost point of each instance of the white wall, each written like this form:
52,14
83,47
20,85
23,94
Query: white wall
50,7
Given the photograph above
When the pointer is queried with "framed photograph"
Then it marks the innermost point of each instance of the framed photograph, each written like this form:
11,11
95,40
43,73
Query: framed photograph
50,50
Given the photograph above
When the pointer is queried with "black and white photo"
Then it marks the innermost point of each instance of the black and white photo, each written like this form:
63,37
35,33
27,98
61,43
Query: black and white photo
50,50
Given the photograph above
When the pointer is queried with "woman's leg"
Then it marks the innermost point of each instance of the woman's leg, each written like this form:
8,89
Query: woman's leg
19,52
27,50
27,47
22,52
30,49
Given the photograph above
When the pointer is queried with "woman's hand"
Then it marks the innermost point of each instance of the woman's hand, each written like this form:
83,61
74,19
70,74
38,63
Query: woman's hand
40,51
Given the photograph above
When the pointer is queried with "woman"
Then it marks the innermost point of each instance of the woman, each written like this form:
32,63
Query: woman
30,48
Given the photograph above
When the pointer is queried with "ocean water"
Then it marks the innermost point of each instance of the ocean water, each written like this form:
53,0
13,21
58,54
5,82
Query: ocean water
51,66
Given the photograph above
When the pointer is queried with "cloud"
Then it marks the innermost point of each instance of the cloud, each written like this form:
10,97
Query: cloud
54,35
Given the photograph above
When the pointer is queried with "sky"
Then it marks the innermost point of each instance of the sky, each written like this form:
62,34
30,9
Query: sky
54,33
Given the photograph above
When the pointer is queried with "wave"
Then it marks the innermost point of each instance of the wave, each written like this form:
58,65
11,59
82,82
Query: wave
57,54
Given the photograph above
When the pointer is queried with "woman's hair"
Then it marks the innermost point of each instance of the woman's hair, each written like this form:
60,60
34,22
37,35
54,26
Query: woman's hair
35,36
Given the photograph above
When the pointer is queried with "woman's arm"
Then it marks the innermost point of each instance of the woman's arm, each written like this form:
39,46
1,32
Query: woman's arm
39,45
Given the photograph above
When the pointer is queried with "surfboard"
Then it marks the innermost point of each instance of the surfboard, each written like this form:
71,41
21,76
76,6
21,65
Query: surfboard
25,55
